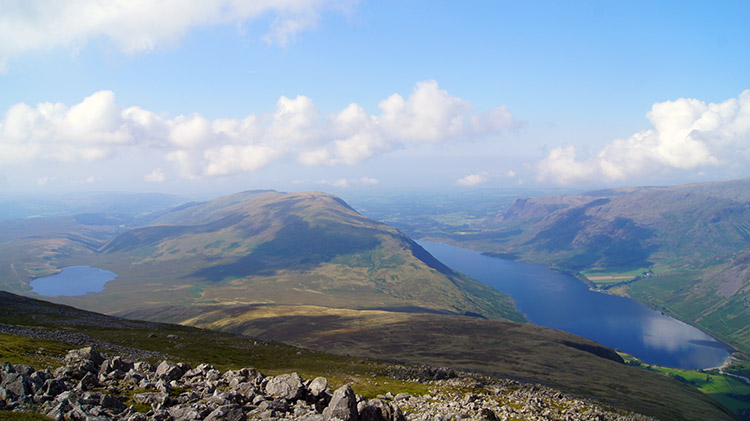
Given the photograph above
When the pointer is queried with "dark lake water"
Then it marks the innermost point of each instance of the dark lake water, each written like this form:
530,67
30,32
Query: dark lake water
72,281
560,301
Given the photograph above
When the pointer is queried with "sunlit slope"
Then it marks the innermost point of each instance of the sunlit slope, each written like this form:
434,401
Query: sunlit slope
692,242
269,247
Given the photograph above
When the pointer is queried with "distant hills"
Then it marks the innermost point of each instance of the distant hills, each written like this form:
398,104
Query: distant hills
248,248
683,249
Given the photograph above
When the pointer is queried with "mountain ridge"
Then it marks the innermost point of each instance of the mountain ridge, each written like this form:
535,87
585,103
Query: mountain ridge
678,249
258,246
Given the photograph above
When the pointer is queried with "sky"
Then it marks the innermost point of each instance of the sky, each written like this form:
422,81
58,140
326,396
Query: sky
217,96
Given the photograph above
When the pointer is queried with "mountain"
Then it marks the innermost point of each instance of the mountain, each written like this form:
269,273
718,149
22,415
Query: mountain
683,249
251,247
40,333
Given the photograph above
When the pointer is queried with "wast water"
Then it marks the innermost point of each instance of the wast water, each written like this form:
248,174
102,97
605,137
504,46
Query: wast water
561,301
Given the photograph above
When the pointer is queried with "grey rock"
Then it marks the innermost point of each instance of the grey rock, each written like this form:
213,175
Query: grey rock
88,382
58,410
83,355
228,413
143,367
402,396
6,395
151,398
7,367
185,413
287,386
486,414
112,403
168,370
378,410
318,386
23,369
17,383
343,405
274,405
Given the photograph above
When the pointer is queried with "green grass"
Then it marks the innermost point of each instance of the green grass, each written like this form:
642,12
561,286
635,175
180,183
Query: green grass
37,353
731,392
520,351
226,351
23,416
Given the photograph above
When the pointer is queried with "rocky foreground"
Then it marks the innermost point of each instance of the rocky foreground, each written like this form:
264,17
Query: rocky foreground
91,387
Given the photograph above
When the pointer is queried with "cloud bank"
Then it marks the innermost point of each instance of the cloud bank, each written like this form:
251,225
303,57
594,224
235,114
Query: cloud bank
142,26
687,134
98,128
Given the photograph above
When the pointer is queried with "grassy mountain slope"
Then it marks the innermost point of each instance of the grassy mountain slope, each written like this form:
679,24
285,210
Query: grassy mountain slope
520,351
254,247
691,242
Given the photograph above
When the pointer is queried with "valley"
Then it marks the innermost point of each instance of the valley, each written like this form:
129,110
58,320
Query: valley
681,250
306,269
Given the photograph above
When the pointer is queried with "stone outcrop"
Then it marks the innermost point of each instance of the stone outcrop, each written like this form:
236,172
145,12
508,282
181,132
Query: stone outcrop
91,387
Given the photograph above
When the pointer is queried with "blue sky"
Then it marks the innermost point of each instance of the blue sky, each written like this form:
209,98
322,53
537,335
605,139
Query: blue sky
220,96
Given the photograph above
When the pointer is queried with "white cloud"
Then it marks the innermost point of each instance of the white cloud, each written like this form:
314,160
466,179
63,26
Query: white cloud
344,183
98,128
87,131
44,180
473,179
341,183
155,176
88,180
687,134
428,115
142,26
367,181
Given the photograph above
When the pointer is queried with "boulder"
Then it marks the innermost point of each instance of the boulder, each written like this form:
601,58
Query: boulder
168,371
287,386
343,405
17,383
378,410
227,413
318,386
185,413
83,355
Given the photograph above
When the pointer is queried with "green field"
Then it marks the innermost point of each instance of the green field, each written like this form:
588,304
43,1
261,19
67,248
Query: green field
603,278
732,392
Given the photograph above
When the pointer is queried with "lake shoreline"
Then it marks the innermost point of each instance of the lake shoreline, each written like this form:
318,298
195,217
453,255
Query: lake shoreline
559,299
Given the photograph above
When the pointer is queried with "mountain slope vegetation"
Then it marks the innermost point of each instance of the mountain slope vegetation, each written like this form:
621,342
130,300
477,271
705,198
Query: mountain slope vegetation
521,351
251,247
683,249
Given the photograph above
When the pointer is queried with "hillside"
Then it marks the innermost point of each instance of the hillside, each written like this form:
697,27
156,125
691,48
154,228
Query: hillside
41,333
251,247
683,249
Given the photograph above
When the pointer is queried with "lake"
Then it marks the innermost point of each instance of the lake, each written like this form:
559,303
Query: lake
72,281
561,301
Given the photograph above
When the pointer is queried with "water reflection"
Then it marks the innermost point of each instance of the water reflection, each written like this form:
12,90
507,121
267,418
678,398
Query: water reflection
72,281
563,302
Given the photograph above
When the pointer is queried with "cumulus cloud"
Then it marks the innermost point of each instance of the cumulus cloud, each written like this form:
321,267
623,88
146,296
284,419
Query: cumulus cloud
687,134
98,128
88,180
428,115
155,176
473,179
44,180
343,183
142,26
